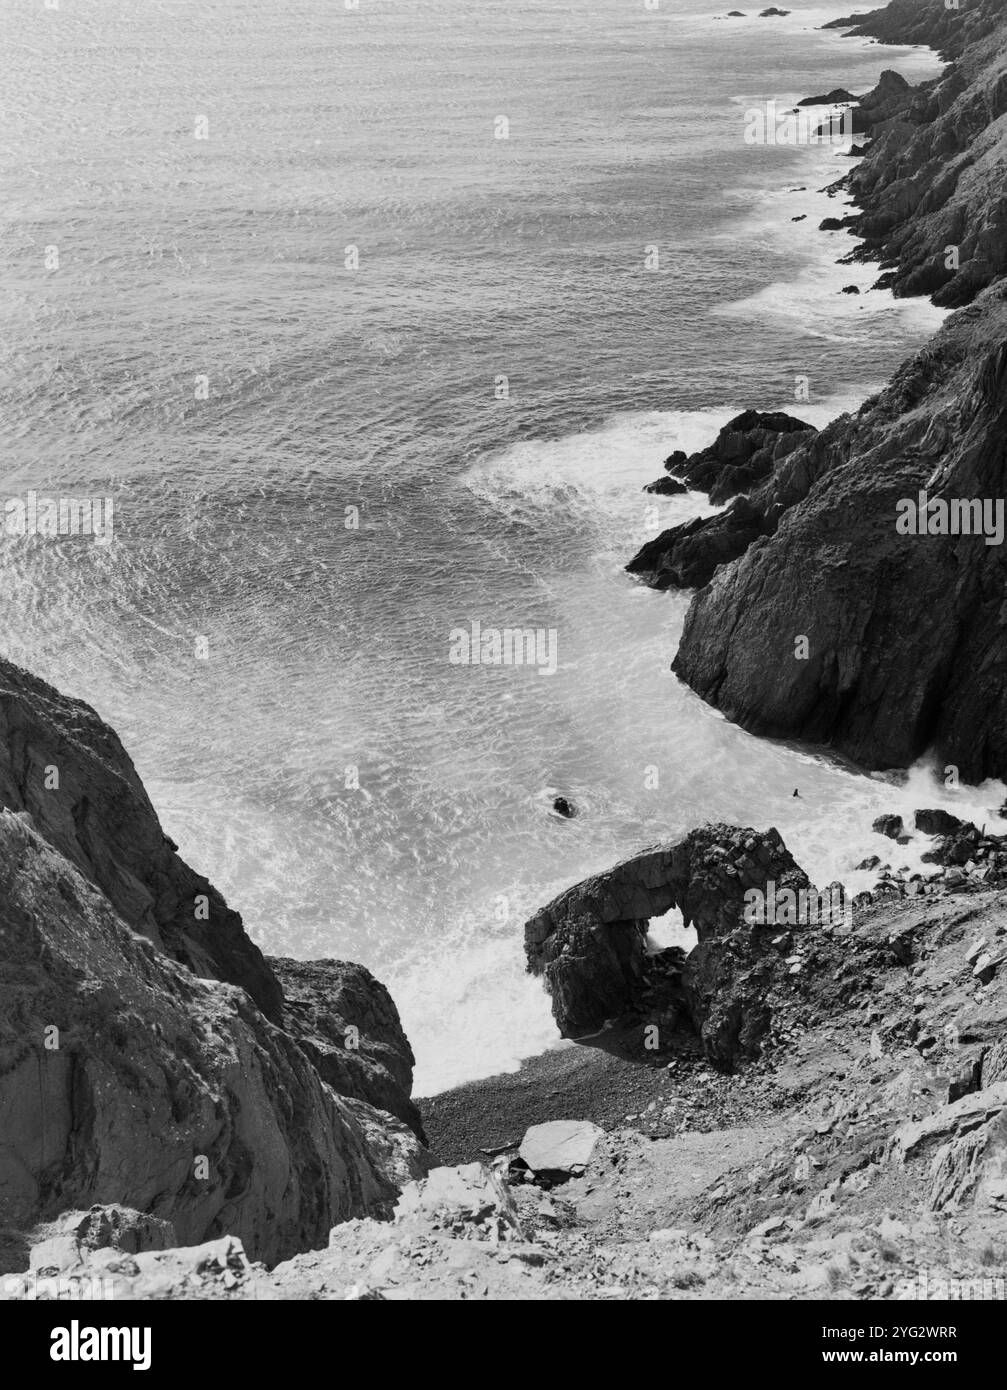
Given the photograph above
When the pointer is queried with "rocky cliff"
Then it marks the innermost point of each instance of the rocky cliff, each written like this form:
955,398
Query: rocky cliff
858,1153
820,619
147,1055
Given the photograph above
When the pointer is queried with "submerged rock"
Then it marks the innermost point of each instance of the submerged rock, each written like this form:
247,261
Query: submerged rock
890,826
938,822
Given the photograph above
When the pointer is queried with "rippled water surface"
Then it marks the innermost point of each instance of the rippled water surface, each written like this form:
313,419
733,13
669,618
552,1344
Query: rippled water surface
371,395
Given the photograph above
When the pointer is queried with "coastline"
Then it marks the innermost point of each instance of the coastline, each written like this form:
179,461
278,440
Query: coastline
793,1107
483,1113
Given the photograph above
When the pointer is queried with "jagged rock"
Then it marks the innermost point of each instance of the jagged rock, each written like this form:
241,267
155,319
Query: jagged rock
124,1078
589,943
100,818
743,453
347,1023
836,569
815,550
667,486
559,1147
957,848
839,96
938,822
470,1195
891,826
67,1242
964,1141
687,556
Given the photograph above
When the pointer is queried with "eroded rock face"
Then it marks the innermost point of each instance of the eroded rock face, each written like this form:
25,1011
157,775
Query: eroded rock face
906,635
126,1079
880,688
347,1023
744,452
965,1143
95,812
589,943
743,455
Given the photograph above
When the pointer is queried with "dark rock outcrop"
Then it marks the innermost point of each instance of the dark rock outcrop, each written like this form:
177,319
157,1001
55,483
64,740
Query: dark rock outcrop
839,96
891,826
938,822
906,646
589,943
905,639
744,453
667,486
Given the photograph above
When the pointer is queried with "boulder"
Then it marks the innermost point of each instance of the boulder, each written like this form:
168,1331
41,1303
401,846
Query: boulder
890,825
561,1147
938,822
666,486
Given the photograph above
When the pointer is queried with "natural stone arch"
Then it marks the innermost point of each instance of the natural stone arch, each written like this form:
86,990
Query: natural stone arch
589,944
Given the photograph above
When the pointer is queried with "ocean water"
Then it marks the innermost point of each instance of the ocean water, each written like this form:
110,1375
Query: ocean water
353,488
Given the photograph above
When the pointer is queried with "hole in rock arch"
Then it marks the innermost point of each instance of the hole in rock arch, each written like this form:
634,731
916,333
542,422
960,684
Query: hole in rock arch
669,930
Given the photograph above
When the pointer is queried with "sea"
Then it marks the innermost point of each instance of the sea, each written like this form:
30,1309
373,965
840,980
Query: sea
373,319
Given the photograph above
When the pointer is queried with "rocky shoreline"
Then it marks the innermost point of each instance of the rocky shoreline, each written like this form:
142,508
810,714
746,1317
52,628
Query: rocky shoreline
882,644
800,1106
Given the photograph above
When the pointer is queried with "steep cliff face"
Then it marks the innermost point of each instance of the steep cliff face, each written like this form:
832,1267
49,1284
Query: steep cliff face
147,1057
820,620
905,634
125,1078
933,179
68,770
